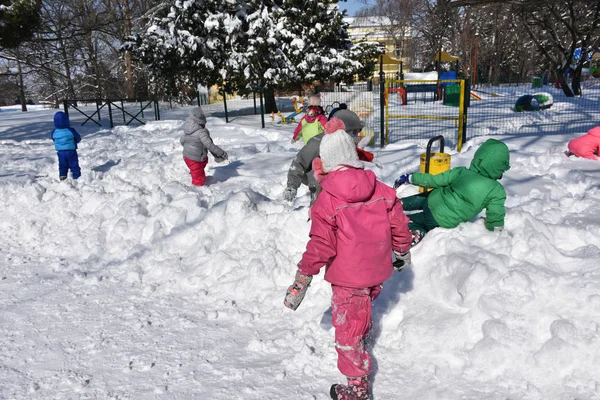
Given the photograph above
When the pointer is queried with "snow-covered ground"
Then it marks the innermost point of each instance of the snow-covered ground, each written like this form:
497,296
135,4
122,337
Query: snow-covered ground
132,284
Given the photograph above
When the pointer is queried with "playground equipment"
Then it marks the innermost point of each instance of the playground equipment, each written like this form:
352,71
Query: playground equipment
414,82
429,115
434,163
474,95
299,108
400,91
534,102
428,82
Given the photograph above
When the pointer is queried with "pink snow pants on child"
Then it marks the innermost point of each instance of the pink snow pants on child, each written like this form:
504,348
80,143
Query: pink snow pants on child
197,170
351,318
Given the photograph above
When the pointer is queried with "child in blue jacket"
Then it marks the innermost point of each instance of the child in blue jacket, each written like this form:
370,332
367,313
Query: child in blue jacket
65,141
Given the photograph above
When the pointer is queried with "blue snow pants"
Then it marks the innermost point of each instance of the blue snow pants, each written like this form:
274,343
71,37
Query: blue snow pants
68,160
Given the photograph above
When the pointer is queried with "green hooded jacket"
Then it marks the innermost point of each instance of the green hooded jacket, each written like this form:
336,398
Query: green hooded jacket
460,194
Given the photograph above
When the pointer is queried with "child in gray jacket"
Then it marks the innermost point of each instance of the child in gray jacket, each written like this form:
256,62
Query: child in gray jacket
197,143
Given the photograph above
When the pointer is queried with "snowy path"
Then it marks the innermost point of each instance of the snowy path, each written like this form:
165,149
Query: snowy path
131,284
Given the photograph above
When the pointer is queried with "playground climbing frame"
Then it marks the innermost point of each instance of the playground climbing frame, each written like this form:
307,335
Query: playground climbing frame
427,118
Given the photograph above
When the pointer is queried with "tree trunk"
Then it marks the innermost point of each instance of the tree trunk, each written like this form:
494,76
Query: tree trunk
94,61
70,88
576,82
21,85
270,103
563,82
129,88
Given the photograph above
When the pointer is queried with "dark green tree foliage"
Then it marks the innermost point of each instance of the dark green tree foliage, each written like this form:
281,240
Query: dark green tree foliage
322,50
189,41
259,52
367,54
255,43
18,21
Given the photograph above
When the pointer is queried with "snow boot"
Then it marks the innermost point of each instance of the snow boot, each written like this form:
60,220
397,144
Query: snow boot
62,178
356,389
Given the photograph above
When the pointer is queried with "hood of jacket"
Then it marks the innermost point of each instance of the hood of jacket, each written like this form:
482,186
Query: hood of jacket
351,185
595,131
491,159
197,115
311,119
61,120
191,126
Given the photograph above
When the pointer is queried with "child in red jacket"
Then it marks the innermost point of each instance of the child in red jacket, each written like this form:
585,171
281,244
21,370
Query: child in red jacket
357,223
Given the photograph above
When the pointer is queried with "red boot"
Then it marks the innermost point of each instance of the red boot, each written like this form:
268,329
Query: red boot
356,389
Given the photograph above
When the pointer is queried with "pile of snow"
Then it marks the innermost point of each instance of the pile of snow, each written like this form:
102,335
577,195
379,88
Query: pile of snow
129,283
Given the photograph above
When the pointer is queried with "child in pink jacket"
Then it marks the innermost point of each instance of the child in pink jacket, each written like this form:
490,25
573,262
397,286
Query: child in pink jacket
586,146
357,223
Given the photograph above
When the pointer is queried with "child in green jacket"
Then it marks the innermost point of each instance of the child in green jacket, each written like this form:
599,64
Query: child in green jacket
460,194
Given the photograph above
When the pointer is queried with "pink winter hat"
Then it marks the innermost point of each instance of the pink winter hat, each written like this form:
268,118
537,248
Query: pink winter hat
334,124
337,147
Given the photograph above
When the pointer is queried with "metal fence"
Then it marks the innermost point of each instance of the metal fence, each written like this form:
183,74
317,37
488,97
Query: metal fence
423,109
493,111
392,110
97,111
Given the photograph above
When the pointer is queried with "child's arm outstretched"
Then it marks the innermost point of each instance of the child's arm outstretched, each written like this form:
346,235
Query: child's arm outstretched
207,141
435,181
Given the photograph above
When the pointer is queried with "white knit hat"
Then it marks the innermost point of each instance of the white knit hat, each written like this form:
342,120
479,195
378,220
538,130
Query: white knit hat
337,147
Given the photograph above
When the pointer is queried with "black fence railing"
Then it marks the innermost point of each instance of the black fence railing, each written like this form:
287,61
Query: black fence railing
491,109
131,111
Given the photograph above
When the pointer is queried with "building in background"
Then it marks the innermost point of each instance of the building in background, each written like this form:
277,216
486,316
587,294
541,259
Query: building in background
395,40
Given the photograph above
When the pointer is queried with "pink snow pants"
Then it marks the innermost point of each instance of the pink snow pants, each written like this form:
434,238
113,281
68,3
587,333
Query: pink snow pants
351,317
197,170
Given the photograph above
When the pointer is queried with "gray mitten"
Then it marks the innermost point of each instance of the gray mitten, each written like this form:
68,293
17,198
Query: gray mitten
222,158
403,261
289,194
295,293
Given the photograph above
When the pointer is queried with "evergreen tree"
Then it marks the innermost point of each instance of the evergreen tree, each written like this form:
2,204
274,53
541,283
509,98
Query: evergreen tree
259,53
255,44
189,41
18,21
321,49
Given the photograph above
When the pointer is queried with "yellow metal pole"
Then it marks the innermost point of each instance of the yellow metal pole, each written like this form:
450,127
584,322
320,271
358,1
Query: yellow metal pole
461,116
